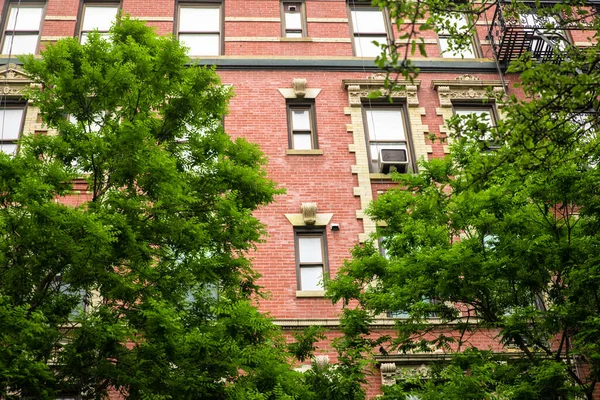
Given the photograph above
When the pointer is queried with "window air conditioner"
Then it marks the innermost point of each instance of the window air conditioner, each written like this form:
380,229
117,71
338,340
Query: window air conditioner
397,158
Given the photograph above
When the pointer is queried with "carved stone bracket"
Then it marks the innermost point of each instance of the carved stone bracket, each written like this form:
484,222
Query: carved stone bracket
322,360
359,89
309,213
299,90
388,374
299,86
309,216
467,87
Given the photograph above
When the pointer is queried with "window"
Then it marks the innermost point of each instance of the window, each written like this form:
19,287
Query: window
98,17
302,126
293,20
485,115
368,25
200,27
459,23
311,258
546,34
63,288
22,30
11,124
388,140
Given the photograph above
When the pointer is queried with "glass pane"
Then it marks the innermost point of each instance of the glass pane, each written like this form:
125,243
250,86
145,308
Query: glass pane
84,37
97,17
10,124
309,249
465,52
21,44
385,125
302,141
366,48
368,21
293,21
311,278
201,44
24,19
458,21
8,148
293,34
300,120
199,19
485,115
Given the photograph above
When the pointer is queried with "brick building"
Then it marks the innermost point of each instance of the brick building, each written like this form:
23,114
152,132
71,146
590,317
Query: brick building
301,71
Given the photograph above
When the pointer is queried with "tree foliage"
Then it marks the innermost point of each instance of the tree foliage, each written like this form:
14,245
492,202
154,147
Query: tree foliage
499,239
156,252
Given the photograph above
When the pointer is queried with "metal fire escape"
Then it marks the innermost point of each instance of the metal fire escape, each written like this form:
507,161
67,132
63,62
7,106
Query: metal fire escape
514,32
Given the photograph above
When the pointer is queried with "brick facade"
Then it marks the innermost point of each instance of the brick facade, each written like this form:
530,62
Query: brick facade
258,62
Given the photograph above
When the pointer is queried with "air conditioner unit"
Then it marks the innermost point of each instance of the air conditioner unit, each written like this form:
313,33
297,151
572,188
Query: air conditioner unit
291,8
397,158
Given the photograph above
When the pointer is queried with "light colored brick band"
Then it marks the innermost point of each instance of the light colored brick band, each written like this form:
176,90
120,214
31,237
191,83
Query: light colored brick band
328,20
252,19
60,18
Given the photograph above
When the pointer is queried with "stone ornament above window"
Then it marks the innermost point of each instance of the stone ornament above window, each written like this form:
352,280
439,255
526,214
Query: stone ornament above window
299,90
466,87
15,81
309,216
359,89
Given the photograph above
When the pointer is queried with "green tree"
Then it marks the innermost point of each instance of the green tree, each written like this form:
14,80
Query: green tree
499,238
157,253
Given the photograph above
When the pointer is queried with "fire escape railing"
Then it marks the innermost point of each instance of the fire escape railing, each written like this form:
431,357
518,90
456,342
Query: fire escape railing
514,32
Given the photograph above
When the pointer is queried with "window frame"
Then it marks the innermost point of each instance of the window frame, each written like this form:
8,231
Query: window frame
303,23
6,16
302,105
366,6
96,3
310,232
475,49
408,142
13,105
219,4
490,107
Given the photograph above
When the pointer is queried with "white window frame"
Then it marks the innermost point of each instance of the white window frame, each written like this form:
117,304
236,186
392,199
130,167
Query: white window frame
103,31
286,31
11,143
12,31
402,142
380,34
219,33
444,36
294,131
311,233
468,109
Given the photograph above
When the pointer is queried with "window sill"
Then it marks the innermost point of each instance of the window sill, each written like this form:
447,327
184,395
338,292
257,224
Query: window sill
310,293
313,152
380,177
299,39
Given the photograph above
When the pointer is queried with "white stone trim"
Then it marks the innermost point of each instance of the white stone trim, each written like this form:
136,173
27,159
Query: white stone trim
359,89
463,88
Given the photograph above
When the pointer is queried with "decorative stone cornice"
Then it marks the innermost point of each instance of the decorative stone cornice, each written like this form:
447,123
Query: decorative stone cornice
466,87
13,81
395,367
359,89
